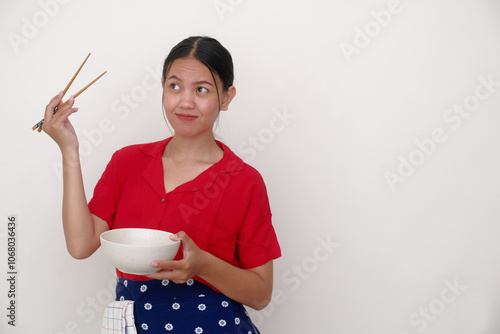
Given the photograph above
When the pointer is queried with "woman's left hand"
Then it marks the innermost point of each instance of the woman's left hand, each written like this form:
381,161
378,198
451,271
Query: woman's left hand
180,271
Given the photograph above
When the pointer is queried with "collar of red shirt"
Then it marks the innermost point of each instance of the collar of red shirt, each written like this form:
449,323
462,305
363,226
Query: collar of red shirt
153,172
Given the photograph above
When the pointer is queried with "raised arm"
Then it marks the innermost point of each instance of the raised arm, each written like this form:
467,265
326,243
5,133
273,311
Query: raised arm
81,228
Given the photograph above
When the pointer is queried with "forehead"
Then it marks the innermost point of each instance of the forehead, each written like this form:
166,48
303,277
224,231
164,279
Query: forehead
189,68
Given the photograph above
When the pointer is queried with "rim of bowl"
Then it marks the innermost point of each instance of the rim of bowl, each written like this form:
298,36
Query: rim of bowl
136,229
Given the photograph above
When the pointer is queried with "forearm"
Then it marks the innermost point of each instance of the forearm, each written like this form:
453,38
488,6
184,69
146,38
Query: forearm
79,229
252,287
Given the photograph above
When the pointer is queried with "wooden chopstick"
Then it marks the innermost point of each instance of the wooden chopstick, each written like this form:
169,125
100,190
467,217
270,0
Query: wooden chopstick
39,124
74,76
82,90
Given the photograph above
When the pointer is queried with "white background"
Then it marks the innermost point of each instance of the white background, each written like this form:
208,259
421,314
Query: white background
357,84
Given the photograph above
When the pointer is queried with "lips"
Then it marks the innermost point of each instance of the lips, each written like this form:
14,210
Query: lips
186,117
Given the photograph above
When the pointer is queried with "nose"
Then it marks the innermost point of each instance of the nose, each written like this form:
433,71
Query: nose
187,100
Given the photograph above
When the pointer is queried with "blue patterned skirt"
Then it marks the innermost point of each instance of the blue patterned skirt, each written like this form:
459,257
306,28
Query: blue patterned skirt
162,306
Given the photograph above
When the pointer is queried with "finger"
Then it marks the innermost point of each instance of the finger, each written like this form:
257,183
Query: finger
178,276
49,109
65,111
188,245
162,274
165,265
166,269
55,121
168,275
181,236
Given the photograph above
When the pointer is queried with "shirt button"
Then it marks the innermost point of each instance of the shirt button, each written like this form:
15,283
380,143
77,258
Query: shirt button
162,200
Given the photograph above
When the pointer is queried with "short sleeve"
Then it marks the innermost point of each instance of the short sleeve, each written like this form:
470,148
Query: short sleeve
104,202
257,242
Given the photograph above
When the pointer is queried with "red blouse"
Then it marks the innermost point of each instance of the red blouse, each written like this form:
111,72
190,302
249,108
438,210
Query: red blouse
225,209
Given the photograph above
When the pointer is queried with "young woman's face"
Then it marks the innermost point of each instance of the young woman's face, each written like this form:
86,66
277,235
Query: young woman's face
190,97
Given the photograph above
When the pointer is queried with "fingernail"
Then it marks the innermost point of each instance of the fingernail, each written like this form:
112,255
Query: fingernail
154,264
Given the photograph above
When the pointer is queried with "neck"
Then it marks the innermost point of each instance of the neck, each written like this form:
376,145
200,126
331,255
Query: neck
193,149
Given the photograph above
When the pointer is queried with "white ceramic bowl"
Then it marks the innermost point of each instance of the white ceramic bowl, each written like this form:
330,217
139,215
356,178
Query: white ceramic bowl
132,250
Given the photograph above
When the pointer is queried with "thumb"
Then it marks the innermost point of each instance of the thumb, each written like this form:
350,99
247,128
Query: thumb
181,236
188,244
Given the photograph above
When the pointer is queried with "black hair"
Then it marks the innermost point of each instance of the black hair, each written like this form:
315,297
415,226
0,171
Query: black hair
209,52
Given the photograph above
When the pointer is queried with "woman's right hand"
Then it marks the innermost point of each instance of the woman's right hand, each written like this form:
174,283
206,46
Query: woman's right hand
58,126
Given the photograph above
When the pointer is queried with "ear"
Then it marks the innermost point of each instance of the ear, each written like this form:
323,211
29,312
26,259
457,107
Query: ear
162,82
227,97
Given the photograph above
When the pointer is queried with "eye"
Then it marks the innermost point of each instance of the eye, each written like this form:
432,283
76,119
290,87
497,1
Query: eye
175,86
202,90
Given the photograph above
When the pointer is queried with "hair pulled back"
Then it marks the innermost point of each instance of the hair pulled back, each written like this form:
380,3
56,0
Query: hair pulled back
209,52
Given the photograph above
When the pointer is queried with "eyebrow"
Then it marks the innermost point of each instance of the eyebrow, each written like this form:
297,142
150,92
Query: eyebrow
197,82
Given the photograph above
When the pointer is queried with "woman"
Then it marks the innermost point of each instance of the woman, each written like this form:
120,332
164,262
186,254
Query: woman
189,184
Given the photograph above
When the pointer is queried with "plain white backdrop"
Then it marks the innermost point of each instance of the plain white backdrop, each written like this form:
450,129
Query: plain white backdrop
375,125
